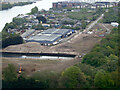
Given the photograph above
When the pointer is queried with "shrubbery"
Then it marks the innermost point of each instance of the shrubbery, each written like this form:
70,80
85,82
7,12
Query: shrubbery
10,39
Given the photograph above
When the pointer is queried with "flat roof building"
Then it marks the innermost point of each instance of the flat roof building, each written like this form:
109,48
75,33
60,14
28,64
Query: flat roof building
56,31
48,37
27,33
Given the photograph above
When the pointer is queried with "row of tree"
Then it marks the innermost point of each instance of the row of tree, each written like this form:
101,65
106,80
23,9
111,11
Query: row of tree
8,6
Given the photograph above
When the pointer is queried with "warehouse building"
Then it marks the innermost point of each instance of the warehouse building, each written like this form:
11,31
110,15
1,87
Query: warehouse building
27,33
50,36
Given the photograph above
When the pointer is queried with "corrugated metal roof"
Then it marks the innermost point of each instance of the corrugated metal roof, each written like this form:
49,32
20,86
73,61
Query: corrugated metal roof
49,36
56,31
27,33
45,37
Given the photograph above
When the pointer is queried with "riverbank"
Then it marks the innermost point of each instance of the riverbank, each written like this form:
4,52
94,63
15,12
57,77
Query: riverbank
8,6
16,10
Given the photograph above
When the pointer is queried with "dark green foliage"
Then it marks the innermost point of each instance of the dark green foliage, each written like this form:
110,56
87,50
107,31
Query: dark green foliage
6,6
72,77
23,27
94,59
84,24
109,45
89,72
111,15
99,11
34,10
11,25
97,14
95,17
10,39
41,18
19,21
10,73
15,24
21,82
47,79
104,57
116,77
68,22
103,80
100,54
87,69
112,64
38,27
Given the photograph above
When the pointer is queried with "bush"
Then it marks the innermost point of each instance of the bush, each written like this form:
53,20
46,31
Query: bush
47,79
94,59
11,39
103,80
10,73
72,77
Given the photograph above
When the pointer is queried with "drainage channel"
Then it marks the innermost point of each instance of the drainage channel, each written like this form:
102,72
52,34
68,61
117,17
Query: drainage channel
52,56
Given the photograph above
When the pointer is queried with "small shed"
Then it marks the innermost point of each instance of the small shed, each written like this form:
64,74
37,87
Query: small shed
114,24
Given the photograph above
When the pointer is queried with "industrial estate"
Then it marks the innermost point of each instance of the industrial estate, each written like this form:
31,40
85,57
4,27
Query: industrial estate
71,45
50,36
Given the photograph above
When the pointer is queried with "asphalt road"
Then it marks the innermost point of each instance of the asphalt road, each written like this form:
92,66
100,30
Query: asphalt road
93,23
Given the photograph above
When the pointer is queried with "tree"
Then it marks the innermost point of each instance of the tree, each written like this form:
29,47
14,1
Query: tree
103,80
72,77
34,10
11,39
116,77
19,21
47,79
12,25
6,6
41,18
89,72
111,16
5,29
94,59
38,27
111,65
10,73
68,22
83,25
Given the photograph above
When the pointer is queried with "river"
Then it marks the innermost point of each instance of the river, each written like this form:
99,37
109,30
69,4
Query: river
6,16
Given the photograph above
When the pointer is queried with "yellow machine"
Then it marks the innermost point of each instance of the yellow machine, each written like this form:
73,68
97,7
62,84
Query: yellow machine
40,22
20,70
